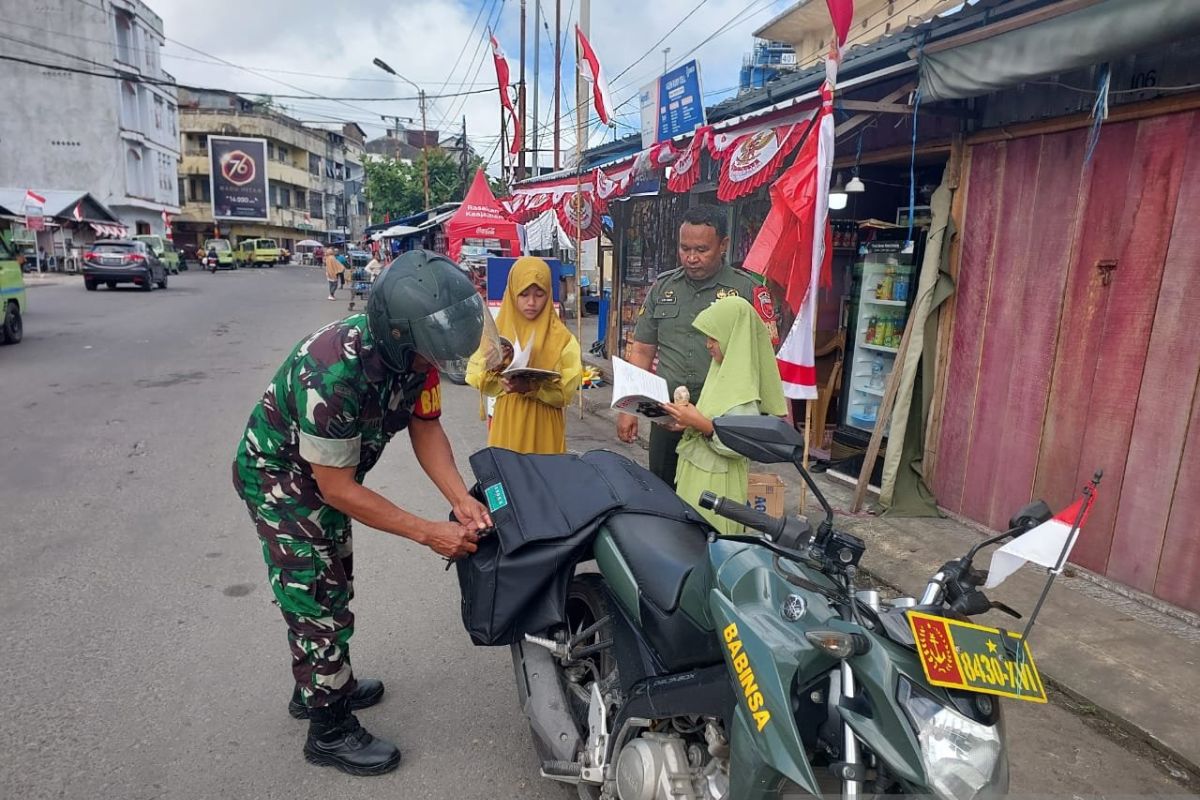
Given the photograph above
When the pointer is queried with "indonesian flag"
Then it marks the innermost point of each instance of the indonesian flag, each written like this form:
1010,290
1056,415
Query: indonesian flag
1049,544
78,212
166,218
589,67
502,78
32,198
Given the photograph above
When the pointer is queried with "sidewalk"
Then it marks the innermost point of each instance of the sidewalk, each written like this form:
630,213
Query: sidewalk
1133,665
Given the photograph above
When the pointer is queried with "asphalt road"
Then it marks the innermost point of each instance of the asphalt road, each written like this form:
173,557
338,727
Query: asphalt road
143,658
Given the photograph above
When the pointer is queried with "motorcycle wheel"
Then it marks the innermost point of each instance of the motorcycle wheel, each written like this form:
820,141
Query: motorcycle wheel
588,601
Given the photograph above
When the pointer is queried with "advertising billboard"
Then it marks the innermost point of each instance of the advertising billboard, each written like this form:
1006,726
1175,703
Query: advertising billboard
672,105
238,174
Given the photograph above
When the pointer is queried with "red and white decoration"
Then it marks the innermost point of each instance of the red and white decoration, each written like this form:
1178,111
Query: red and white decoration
590,69
166,218
580,215
32,198
77,212
750,159
502,78
793,247
109,231
686,169
1043,545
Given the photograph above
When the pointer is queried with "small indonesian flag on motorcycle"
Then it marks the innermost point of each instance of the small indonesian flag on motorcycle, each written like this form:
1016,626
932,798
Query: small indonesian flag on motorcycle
1049,544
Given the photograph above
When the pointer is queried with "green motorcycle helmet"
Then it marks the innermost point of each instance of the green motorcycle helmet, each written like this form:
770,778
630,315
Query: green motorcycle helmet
423,304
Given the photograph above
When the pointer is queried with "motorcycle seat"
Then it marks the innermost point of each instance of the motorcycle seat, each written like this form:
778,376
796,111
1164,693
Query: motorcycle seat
661,554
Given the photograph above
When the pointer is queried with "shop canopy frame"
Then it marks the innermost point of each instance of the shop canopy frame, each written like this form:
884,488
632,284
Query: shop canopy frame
481,217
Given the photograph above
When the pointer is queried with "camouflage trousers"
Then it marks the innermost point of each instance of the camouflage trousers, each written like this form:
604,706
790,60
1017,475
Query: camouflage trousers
312,580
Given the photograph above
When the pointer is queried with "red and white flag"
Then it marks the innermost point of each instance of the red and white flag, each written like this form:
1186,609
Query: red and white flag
78,212
32,198
1046,544
502,78
589,68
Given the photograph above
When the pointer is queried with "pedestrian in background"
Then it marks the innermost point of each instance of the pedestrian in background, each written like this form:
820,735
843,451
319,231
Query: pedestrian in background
333,270
743,378
530,414
344,260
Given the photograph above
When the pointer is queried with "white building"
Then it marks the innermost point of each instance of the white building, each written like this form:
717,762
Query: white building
117,136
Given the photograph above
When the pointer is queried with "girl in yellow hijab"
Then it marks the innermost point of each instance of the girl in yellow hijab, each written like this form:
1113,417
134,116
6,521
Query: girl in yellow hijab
743,379
529,415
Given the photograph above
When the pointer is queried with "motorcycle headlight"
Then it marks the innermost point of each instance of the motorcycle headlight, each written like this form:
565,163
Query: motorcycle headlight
963,759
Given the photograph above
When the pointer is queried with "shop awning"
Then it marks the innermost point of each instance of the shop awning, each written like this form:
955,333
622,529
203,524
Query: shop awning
480,217
980,62
109,231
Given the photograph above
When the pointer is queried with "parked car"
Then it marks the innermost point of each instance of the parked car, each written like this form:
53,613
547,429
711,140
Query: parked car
123,261
12,295
225,259
257,252
162,250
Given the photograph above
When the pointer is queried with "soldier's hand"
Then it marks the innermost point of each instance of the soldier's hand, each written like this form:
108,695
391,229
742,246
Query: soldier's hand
627,428
451,540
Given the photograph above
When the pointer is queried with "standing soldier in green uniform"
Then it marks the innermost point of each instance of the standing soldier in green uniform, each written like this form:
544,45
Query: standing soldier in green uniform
322,424
664,327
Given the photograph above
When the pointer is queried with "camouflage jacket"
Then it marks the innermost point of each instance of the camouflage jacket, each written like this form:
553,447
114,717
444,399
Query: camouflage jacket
332,402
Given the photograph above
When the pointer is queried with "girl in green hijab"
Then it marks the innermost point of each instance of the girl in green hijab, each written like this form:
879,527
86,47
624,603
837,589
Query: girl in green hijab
742,379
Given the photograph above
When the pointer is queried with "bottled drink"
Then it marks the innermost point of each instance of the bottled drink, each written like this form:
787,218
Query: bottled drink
870,336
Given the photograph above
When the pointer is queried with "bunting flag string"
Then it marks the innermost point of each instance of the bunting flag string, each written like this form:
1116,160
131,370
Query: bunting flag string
686,169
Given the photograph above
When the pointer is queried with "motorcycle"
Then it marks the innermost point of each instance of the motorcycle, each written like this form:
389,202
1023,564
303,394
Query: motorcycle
753,666
211,263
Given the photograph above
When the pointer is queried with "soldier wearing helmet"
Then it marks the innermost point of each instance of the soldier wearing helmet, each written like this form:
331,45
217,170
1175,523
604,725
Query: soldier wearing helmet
328,413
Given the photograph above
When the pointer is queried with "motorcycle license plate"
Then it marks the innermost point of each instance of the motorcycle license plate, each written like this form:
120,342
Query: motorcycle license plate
962,655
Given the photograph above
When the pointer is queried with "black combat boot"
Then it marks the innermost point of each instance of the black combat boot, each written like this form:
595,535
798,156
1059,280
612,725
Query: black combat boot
368,693
336,739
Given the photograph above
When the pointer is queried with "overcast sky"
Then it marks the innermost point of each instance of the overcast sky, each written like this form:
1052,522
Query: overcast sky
335,42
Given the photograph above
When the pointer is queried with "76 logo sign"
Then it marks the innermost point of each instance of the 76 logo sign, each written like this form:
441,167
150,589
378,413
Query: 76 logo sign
238,168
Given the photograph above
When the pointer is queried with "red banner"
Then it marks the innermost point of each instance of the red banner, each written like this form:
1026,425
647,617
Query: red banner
753,158
580,214
686,169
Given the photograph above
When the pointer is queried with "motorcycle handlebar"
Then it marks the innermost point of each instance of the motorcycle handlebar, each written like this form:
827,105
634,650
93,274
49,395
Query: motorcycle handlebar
773,527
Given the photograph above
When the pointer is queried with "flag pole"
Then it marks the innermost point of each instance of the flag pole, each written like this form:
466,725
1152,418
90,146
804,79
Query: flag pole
581,122
1089,492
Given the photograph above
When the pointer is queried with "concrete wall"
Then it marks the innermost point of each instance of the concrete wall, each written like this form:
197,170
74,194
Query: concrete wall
63,130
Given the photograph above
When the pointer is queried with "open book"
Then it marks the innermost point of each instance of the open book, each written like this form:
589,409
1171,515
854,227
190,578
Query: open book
516,360
636,391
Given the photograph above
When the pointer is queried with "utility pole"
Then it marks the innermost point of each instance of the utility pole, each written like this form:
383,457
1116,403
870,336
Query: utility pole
425,145
537,60
666,52
521,102
383,65
557,82
462,158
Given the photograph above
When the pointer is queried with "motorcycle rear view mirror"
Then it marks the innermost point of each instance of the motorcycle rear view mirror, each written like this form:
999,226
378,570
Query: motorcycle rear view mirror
767,440
1030,517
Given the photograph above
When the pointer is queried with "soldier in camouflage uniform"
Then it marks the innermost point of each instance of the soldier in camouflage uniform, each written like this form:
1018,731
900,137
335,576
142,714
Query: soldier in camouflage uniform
323,423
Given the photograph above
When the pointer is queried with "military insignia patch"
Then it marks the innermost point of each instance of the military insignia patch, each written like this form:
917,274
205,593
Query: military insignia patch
667,297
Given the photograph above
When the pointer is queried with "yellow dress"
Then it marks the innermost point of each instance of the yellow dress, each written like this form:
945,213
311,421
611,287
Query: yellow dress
534,422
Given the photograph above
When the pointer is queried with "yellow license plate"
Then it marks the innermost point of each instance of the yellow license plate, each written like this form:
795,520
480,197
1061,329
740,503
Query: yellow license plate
962,655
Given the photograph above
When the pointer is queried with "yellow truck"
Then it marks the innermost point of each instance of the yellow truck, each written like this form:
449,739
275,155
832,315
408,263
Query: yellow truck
12,294
257,253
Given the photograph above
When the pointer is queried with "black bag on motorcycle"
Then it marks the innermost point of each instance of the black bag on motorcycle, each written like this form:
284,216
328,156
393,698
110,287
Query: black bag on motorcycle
547,511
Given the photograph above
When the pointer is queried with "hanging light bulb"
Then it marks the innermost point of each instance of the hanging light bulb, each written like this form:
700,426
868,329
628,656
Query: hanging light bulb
856,185
837,195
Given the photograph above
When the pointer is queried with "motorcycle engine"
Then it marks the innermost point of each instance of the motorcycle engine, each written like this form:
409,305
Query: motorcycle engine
658,766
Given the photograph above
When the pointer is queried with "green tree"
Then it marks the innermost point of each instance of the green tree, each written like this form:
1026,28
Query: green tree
397,189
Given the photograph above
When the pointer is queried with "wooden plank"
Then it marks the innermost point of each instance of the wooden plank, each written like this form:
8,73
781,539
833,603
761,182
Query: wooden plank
1104,226
958,171
1178,579
1001,328
1043,268
1160,424
969,305
1174,104
1153,188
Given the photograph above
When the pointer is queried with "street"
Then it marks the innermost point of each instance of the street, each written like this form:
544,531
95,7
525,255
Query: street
144,657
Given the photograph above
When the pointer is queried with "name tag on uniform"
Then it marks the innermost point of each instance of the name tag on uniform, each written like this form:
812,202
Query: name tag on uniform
667,297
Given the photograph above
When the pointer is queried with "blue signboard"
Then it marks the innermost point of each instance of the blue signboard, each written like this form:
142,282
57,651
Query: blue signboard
680,102
497,276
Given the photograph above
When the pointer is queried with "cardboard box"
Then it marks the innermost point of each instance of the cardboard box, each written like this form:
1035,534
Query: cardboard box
766,493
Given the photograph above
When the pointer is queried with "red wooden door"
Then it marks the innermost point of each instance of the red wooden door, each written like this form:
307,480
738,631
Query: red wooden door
1056,371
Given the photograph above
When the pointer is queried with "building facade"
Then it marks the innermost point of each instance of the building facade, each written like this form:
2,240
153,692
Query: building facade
115,137
315,174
